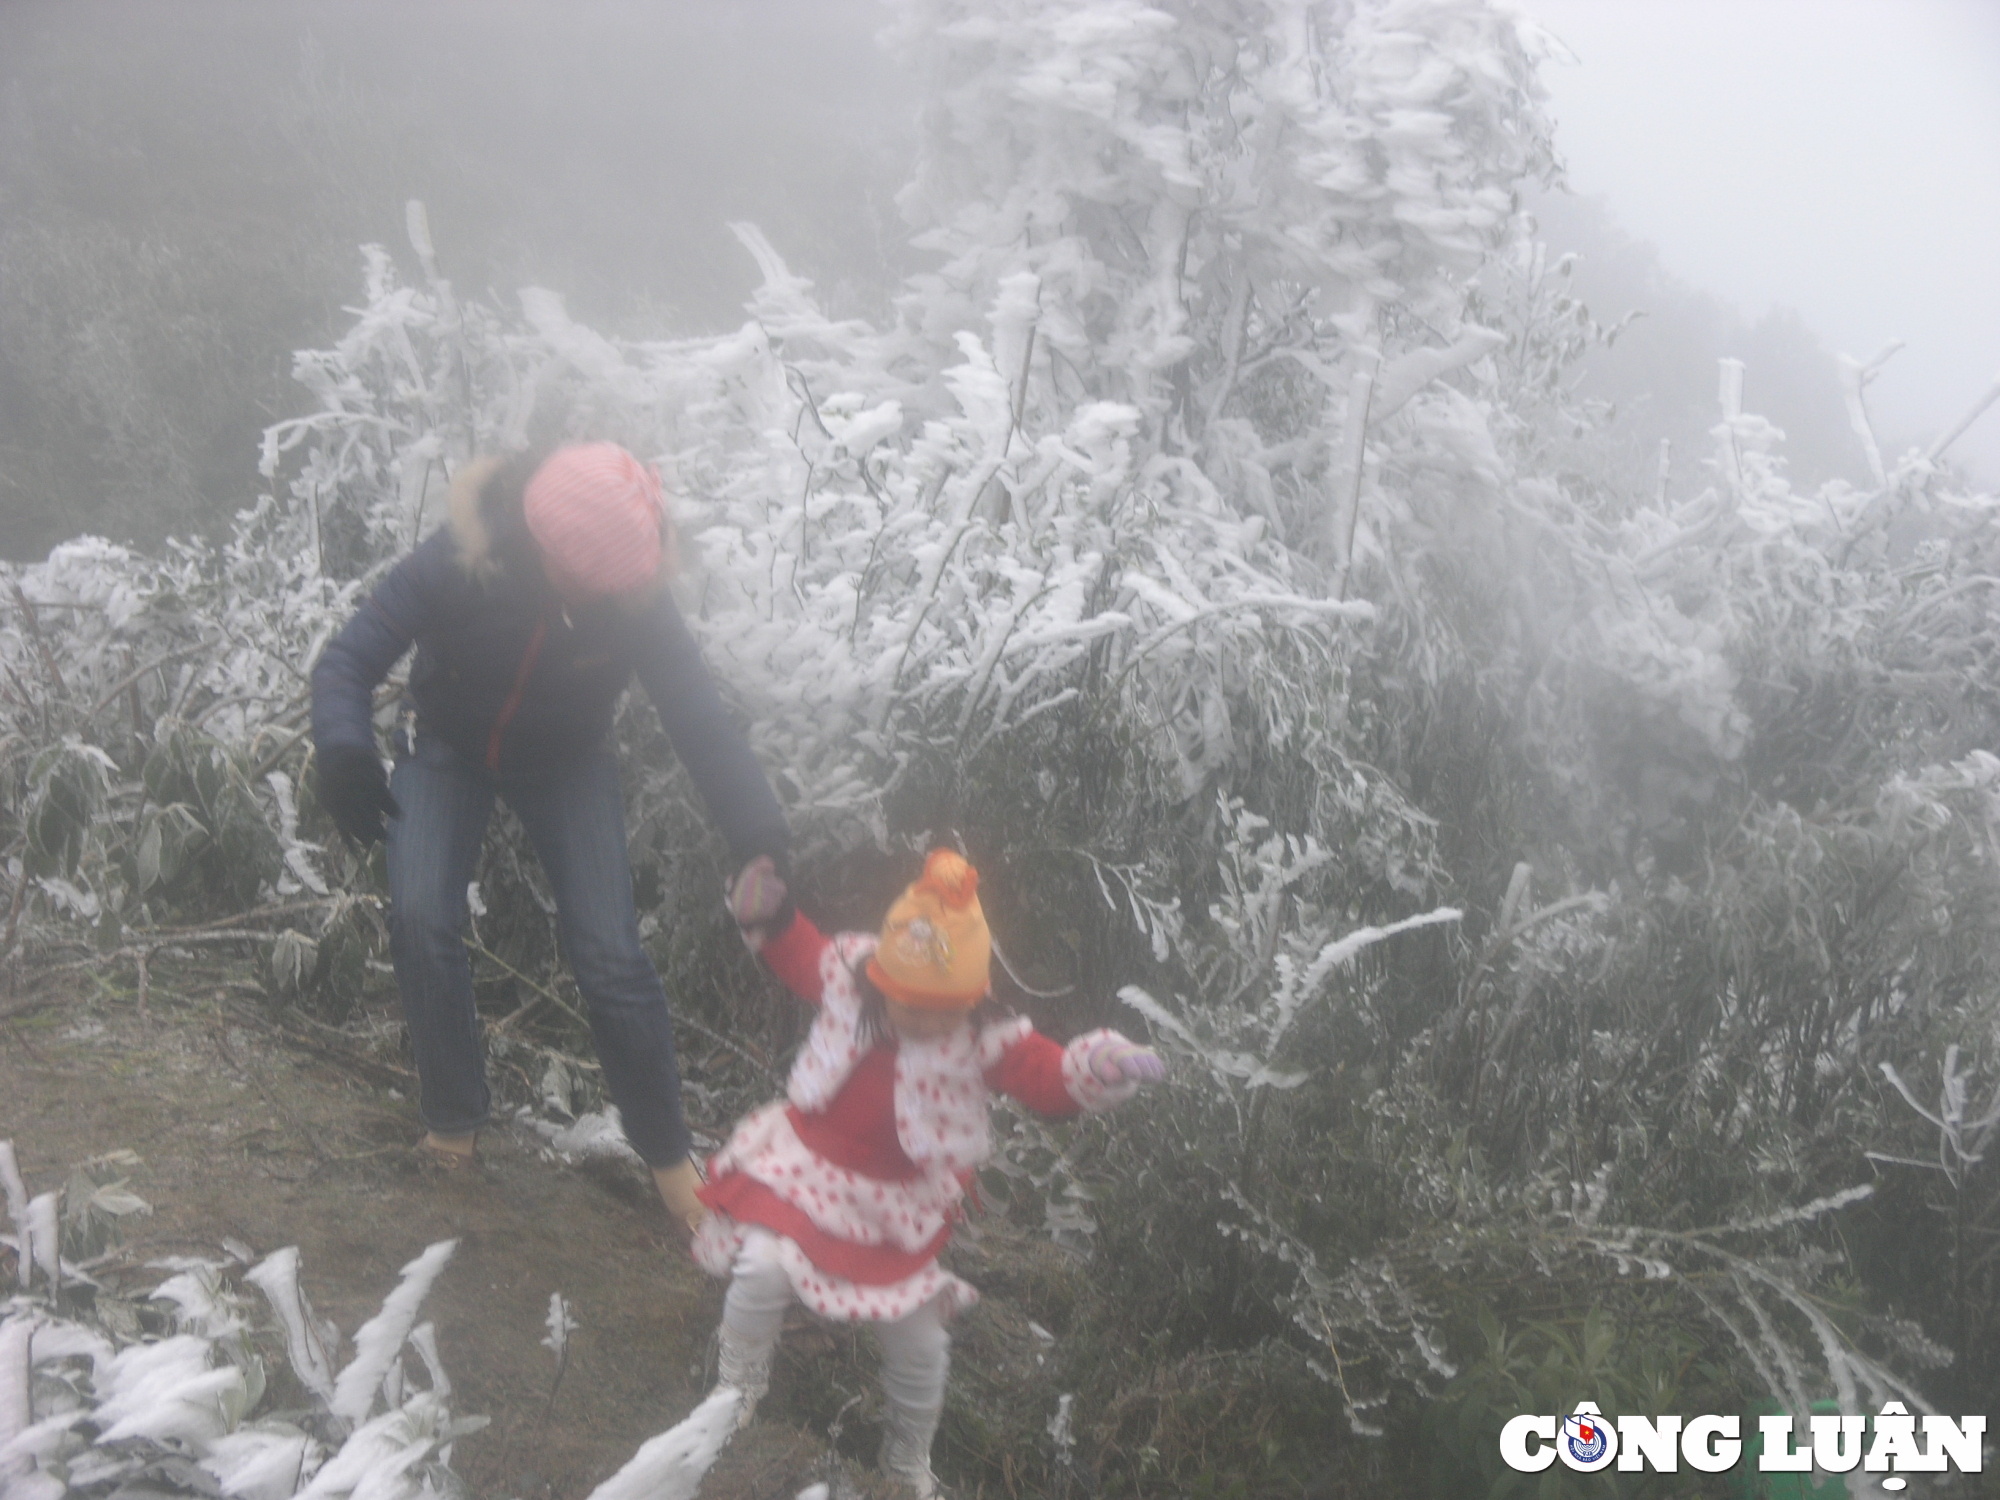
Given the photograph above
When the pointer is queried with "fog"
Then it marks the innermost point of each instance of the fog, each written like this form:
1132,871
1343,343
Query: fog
1839,158
183,188
1568,914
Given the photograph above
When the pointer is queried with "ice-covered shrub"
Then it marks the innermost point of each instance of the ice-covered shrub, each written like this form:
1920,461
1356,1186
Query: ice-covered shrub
1208,540
91,1403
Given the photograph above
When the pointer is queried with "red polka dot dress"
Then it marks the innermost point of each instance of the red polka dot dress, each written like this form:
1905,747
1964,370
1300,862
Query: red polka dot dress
861,1170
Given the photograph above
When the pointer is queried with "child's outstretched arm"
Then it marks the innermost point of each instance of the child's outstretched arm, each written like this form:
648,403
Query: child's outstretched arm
775,929
1095,1071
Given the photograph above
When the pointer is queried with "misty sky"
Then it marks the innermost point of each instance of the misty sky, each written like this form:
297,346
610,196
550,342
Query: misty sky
183,185
1838,156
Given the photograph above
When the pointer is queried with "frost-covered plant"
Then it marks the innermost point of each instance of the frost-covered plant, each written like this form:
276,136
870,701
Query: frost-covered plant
1221,470
670,1466
561,1325
152,702
1268,967
1965,1131
88,1403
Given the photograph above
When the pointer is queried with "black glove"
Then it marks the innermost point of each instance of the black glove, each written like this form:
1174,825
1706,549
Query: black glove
354,790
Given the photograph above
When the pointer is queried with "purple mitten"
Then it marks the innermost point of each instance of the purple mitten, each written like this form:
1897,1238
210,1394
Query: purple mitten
757,894
1115,1060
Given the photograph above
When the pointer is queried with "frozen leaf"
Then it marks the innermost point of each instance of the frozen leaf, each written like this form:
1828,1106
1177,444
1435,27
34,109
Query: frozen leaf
560,1325
377,1341
670,1466
310,1343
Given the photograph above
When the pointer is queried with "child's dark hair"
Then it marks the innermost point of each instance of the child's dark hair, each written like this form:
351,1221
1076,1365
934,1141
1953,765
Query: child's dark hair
875,1027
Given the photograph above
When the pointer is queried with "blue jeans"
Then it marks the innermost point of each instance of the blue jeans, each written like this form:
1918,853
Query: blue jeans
575,818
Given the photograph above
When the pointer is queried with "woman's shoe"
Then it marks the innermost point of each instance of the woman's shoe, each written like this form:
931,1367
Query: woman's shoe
448,1153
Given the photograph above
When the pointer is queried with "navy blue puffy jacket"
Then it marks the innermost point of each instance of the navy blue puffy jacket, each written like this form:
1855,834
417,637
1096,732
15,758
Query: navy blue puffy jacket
514,681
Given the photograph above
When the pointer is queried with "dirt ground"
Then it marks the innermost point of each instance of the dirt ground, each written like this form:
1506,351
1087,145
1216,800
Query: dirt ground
256,1126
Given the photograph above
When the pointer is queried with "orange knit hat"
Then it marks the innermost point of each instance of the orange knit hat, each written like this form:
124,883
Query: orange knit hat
934,946
599,517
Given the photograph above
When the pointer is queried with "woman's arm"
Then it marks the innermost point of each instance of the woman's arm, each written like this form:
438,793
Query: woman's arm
706,738
354,661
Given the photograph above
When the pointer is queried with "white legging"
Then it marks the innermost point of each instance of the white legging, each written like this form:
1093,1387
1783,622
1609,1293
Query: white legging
916,1349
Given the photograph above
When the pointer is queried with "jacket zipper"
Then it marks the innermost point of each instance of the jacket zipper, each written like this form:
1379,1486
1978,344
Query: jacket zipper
513,703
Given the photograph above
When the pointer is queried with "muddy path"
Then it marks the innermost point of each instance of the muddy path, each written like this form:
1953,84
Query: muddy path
252,1128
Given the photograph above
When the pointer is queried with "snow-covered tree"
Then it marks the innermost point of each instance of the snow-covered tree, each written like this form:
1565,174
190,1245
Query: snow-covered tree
1528,874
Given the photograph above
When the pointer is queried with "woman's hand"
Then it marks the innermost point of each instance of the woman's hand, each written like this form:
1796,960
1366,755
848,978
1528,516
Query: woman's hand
354,790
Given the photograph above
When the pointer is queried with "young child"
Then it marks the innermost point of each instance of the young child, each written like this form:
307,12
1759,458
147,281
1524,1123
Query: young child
842,1195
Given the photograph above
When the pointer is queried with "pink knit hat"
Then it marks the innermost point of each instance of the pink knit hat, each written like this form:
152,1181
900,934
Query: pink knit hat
599,517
